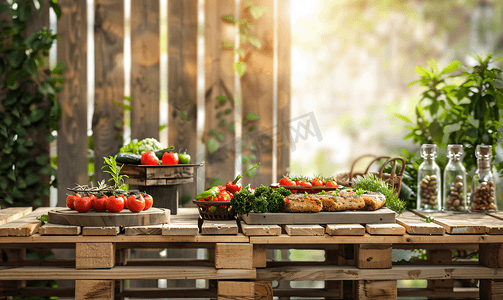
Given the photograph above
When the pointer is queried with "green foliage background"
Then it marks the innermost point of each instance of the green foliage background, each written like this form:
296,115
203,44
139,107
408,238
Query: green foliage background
28,105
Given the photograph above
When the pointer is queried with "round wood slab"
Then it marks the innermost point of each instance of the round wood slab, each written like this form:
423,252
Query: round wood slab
66,216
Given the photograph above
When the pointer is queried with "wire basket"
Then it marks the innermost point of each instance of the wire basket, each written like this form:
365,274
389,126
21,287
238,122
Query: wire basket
394,179
215,210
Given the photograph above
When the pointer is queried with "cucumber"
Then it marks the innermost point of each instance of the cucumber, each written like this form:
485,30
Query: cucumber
128,158
160,153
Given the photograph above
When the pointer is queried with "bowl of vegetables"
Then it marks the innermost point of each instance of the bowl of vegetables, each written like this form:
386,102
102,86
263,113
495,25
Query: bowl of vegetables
215,204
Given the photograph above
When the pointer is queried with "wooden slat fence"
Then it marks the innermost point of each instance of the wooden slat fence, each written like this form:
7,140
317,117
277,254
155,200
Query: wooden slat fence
257,85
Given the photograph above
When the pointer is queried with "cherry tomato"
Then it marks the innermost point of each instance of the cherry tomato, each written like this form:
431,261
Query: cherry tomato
115,204
149,201
331,183
135,204
170,158
70,201
82,204
316,182
99,204
149,158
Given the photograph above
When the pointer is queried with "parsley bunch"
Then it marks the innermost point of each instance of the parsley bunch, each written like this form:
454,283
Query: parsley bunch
265,199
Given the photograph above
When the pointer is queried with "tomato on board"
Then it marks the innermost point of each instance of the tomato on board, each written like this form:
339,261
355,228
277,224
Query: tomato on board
70,201
115,204
82,204
149,158
99,204
135,204
331,183
170,158
317,182
149,201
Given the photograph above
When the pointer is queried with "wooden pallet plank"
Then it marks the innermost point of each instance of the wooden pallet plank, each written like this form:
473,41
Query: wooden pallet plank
143,230
414,225
156,182
25,226
455,223
304,230
373,256
376,289
72,137
385,229
397,272
345,229
13,213
219,227
254,230
145,69
491,255
56,229
108,118
100,230
181,227
126,272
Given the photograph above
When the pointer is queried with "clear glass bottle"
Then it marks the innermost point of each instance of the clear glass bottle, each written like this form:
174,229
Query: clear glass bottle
483,187
454,180
428,180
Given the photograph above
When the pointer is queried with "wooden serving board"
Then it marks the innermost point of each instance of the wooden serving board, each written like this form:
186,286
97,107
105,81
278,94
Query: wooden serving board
66,216
382,215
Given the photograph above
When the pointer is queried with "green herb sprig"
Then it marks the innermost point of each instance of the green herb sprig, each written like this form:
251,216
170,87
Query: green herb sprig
369,182
114,170
43,218
428,219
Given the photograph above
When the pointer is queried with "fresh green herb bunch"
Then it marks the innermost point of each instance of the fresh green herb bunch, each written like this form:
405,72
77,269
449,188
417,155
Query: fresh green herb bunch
265,199
369,182
114,170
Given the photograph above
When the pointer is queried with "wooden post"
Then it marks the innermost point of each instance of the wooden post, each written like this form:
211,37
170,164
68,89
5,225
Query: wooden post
257,90
332,258
108,118
72,136
491,256
182,79
284,65
94,255
219,78
94,289
233,256
145,69
374,256
440,257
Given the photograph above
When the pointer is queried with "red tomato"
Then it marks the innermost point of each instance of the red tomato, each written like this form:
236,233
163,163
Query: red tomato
331,183
170,158
284,181
99,204
70,200
135,204
115,204
149,158
149,201
317,182
82,204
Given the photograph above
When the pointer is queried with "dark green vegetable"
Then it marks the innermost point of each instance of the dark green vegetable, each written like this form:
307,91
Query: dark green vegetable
265,199
128,158
213,192
160,153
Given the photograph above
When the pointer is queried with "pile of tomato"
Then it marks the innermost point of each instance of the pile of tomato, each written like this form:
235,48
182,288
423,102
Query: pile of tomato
307,182
113,204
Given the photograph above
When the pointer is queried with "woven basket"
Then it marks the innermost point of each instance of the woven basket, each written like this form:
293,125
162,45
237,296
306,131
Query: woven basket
224,210
394,179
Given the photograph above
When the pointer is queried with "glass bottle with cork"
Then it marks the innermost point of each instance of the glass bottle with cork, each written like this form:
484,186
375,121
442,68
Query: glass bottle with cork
454,180
428,180
483,195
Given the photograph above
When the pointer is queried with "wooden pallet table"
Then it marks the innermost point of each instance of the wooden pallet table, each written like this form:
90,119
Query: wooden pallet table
357,260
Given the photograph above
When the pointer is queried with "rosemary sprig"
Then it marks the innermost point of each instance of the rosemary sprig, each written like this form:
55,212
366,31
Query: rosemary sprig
114,170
